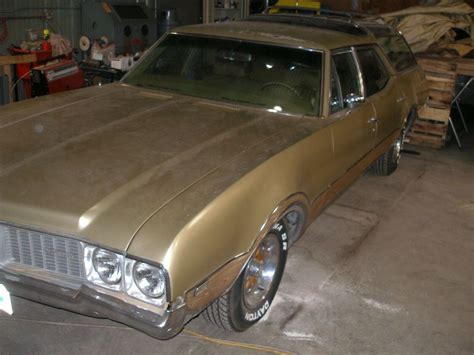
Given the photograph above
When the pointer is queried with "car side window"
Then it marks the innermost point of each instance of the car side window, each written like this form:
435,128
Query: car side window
397,51
337,103
346,76
374,73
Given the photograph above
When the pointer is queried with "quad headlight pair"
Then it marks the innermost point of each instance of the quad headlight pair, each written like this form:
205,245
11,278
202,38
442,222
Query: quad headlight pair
115,272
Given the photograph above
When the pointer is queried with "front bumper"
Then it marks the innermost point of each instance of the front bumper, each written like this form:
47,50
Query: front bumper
89,301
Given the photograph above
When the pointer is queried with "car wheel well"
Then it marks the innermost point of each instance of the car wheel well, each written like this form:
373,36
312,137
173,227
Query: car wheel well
409,120
295,219
252,293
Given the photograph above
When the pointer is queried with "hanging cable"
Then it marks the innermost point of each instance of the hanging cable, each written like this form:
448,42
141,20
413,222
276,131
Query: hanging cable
18,81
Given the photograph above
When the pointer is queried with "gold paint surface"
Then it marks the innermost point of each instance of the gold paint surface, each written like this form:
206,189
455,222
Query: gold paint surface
188,183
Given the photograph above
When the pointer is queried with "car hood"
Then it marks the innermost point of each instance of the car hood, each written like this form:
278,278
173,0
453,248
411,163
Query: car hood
97,163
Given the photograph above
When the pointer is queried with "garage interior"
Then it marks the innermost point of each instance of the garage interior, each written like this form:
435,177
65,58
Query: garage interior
387,268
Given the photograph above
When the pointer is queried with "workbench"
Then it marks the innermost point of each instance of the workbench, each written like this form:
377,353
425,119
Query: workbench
6,63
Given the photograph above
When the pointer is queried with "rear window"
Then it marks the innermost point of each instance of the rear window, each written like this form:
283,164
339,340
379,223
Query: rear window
397,51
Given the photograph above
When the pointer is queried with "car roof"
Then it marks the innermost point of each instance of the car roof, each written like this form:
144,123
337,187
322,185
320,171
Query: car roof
287,30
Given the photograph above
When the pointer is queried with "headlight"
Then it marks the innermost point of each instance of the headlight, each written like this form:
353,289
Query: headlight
149,279
103,267
108,265
145,282
139,280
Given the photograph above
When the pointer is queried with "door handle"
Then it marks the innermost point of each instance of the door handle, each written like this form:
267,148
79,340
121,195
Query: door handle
372,120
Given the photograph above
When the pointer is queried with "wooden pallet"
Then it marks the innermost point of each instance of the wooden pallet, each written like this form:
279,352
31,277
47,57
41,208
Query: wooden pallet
423,140
441,78
464,66
431,127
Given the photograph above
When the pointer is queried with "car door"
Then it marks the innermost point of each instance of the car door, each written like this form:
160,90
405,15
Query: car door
382,91
353,131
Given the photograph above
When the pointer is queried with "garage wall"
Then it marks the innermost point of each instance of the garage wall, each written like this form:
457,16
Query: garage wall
67,14
66,18
188,11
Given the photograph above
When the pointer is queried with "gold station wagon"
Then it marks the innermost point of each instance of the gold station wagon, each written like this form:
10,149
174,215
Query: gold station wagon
179,190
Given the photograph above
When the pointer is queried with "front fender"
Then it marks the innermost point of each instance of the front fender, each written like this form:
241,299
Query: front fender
229,226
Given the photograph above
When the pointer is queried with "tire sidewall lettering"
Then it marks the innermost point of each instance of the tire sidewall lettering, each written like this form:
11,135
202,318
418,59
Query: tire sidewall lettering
244,317
252,317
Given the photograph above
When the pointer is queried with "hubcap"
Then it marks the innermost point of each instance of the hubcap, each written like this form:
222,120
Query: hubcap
397,151
261,270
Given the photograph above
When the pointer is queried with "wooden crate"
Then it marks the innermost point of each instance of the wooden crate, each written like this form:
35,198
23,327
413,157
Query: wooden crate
424,140
437,66
441,78
434,113
431,127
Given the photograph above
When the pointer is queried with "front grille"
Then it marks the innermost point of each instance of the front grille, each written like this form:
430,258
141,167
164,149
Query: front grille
41,251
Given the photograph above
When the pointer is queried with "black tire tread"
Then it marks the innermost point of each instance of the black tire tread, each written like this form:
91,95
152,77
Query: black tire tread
217,312
384,165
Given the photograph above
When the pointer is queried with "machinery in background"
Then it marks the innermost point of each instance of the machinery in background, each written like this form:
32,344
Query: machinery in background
131,26
124,63
23,71
56,76
116,33
53,71
41,47
100,50
100,64
224,10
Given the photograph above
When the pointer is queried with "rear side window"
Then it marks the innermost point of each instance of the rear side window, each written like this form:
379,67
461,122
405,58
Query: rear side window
345,81
397,51
373,71
337,104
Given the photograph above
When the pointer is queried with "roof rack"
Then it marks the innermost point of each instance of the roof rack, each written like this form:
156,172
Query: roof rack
321,22
364,24
350,14
303,10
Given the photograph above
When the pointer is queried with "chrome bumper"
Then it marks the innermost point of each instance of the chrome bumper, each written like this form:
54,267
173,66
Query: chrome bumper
88,301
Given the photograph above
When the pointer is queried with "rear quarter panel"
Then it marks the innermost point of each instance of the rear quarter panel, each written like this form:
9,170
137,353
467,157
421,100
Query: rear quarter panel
414,86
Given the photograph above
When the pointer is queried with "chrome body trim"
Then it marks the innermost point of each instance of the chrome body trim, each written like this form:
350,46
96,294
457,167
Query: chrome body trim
36,265
92,302
40,252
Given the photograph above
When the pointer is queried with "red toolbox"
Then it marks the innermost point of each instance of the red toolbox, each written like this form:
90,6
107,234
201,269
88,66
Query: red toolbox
58,76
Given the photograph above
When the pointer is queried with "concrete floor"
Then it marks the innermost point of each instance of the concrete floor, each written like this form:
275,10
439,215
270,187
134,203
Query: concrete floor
388,268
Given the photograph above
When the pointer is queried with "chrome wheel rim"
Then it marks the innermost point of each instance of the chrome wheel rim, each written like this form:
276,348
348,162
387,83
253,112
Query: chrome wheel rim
261,270
397,149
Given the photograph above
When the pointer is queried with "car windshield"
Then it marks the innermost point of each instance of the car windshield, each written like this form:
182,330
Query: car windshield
272,77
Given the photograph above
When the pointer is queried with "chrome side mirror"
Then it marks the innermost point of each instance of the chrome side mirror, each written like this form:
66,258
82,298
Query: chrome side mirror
353,100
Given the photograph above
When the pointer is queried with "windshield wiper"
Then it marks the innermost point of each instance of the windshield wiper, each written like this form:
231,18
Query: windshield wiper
242,101
160,87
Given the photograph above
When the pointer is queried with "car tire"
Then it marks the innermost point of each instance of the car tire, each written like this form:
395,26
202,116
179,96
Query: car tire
252,294
389,161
